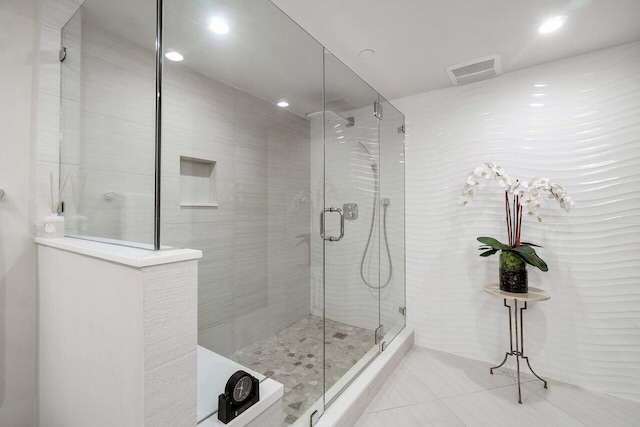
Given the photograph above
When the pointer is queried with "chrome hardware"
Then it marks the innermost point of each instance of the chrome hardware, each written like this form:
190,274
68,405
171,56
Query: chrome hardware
315,417
350,210
379,333
1,193
331,238
402,129
377,110
383,346
402,310
351,121
62,55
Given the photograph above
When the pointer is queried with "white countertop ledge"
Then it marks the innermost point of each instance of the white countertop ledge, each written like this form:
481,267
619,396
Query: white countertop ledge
134,257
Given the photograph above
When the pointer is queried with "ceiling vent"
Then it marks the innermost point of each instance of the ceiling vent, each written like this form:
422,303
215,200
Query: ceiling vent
475,70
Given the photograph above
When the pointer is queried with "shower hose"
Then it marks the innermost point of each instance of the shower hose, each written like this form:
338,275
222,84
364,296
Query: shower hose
384,228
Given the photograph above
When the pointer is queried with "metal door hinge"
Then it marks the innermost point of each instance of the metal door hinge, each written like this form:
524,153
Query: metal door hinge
379,333
402,310
62,55
315,417
377,110
401,129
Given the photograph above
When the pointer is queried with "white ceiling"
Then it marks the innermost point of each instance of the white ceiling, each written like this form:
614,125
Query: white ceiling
268,55
415,40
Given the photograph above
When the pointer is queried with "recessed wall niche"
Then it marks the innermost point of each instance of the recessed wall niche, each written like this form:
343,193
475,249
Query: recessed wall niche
198,182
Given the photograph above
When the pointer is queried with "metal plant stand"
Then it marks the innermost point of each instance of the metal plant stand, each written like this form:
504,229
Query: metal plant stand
534,294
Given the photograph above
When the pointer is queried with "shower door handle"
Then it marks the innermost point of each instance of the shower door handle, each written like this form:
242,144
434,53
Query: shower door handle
332,238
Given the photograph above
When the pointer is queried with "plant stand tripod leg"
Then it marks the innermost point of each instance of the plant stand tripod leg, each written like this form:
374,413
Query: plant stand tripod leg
518,354
506,355
510,352
522,348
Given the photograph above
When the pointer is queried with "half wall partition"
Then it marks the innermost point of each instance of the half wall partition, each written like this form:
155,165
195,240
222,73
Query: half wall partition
298,208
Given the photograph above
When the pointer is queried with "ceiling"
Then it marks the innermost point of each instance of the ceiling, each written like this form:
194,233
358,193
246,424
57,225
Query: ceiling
269,56
415,40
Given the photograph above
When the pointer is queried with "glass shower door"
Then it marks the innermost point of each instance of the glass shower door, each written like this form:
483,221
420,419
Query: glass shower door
349,224
391,226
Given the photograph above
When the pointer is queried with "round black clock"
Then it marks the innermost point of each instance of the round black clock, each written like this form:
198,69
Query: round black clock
239,386
242,391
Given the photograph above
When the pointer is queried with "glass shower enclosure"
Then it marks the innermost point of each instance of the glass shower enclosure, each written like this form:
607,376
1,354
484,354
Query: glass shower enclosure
223,126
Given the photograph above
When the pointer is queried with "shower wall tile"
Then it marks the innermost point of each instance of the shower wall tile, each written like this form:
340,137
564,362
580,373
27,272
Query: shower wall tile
56,13
178,143
48,127
170,316
110,90
49,60
114,49
171,393
197,115
578,125
220,338
123,136
250,266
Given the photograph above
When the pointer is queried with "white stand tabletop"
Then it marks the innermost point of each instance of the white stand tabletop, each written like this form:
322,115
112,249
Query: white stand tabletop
534,294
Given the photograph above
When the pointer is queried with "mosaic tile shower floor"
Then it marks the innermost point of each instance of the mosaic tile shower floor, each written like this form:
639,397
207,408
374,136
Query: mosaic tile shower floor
293,357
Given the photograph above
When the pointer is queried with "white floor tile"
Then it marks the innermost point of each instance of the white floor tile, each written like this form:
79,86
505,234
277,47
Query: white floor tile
431,388
450,375
420,415
500,407
401,389
589,407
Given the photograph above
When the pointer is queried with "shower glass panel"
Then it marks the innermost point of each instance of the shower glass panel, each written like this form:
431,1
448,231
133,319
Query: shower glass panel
351,218
107,121
298,206
236,175
391,225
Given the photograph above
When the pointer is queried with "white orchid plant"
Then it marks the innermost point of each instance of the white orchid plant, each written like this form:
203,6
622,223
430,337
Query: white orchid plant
521,198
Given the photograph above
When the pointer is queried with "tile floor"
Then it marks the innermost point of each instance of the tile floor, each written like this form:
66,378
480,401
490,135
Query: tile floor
293,357
431,388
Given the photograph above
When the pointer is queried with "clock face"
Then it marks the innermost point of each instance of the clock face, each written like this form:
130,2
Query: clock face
242,389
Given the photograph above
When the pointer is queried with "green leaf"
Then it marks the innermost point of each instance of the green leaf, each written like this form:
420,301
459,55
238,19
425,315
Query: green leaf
531,258
531,244
489,252
524,249
491,242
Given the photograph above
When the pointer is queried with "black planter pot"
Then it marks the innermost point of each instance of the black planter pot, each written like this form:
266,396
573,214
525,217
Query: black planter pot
513,274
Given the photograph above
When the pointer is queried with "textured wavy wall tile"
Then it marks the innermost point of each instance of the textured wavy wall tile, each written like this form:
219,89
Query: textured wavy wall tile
576,121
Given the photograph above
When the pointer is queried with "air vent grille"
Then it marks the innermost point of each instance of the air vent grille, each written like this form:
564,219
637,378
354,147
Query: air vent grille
475,70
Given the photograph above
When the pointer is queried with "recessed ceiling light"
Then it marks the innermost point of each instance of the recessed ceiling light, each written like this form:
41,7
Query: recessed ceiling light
218,25
553,24
367,53
174,56
282,104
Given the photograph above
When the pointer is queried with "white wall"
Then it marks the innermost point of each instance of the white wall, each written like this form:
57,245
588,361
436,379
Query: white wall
18,83
29,70
586,135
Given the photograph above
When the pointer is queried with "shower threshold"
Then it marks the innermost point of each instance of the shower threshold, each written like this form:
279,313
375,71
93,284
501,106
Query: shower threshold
294,358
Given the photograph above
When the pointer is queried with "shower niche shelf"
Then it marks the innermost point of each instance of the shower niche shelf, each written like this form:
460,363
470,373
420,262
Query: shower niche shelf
198,183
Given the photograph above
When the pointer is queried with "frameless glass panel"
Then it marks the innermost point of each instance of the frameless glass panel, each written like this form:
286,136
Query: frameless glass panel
391,226
107,121
236,174
351,217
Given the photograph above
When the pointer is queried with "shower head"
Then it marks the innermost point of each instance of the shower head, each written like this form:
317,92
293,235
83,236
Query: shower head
332,117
